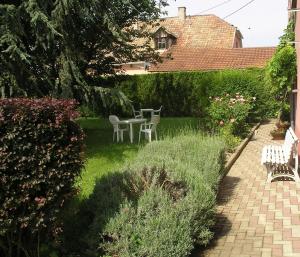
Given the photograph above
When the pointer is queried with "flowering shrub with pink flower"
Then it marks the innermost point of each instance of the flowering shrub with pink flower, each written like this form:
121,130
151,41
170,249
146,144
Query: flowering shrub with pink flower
230,111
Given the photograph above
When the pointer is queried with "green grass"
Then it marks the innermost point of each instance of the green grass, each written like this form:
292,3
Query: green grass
104,156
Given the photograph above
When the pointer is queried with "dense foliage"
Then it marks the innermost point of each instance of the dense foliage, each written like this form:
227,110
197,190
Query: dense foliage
230,110
229,115
40,157
161,205
281,70
48,47
187,93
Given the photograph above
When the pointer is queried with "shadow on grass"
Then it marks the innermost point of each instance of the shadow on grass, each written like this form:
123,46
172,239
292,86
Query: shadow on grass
84,220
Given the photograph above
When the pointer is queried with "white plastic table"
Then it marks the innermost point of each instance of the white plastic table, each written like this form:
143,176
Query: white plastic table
131,122
147,110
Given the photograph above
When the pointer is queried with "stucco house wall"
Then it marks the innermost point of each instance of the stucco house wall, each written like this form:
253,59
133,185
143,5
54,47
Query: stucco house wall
297,45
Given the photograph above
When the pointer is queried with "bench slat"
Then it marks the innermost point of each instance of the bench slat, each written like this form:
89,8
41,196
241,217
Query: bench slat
274,156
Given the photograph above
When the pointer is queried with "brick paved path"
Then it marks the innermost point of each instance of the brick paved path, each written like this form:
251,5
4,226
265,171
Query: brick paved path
256,219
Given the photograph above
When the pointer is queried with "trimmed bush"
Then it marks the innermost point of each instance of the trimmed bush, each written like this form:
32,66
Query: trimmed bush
187,93
170,199
41,155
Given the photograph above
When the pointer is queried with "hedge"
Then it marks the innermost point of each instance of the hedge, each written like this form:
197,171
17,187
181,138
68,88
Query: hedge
187,93
40,157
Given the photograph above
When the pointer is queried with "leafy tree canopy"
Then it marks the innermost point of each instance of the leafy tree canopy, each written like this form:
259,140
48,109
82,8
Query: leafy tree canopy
47,46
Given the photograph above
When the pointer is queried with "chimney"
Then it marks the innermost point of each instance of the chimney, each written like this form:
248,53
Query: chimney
182,13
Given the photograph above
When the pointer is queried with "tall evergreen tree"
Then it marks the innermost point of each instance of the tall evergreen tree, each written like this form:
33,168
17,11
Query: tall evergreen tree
46,46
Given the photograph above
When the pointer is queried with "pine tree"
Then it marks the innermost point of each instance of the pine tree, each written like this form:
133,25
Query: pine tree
46,46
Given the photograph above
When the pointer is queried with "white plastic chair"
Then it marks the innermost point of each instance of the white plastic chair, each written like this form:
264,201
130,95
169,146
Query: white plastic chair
149,128
136,114
157,112
114,120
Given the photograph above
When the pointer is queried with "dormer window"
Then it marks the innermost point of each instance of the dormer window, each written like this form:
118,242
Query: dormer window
163,39
162,43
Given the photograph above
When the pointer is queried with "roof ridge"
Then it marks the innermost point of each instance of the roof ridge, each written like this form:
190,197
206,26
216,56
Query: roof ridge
193,15
222,48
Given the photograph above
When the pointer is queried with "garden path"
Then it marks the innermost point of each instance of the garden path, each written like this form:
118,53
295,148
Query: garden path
256,219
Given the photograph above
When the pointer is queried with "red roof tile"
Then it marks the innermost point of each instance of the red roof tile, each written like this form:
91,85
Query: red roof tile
198,31
201,31
193,59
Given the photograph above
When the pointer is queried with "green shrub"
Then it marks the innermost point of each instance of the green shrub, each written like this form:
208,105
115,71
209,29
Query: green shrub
154,227
230,111
40,157
231,141
281,72
187,93
85,111
249,83
181,94
172,204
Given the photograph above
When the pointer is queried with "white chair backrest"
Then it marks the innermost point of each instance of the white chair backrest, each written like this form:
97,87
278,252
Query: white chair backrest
157,112
290,144
159,109
113,119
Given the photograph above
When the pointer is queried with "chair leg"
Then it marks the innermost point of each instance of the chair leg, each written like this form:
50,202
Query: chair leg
121,135
114,136
118,136
270,173
149,136
139,136
297,179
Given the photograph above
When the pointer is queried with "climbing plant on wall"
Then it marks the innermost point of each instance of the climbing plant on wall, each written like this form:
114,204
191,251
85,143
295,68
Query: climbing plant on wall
281,70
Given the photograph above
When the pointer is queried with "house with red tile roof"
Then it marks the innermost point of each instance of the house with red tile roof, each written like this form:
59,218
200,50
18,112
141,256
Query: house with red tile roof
208,59
199,43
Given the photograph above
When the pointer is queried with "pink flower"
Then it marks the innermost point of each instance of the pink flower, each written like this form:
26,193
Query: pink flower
40,201
221,123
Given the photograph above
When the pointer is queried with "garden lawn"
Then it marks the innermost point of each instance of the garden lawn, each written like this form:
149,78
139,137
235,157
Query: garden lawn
104,156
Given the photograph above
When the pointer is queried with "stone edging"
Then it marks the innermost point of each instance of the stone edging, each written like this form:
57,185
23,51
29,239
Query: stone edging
239,150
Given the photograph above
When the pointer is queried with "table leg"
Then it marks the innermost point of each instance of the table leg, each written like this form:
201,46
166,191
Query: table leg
131,133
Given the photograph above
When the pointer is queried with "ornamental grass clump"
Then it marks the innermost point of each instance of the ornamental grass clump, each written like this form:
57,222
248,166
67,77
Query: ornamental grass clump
171,204
41,155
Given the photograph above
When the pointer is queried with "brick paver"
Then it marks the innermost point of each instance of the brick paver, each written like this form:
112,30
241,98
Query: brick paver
256,219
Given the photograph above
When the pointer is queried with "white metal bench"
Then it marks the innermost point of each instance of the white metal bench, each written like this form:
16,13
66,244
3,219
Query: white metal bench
282,161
